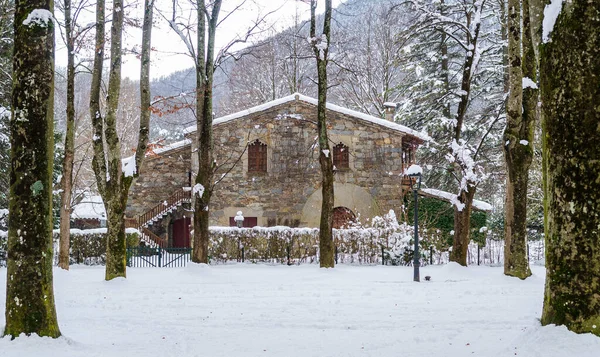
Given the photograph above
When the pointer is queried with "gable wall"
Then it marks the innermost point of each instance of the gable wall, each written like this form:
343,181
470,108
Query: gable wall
280,196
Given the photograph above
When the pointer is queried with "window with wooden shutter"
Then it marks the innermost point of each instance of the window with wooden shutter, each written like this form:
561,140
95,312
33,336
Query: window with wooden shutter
408,154
341,157
257,157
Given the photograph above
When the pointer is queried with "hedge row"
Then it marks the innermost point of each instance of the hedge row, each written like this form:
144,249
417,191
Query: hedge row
88,247
284,245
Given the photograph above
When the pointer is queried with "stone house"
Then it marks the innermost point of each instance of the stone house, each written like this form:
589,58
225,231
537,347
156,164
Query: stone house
268,168
88,212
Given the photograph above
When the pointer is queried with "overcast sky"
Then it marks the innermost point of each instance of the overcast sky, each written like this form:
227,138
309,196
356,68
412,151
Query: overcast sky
169,54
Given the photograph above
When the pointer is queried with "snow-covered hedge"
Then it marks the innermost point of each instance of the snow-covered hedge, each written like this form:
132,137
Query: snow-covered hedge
285,245
88,246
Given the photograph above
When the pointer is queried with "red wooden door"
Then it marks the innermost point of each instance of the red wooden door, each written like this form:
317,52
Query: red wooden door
181,233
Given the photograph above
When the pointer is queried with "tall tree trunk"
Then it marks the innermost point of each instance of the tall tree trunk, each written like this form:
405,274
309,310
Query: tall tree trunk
145,95
570,87
462,217
321,49
112,182
445,62
518,147
504,37
204,82
462,227
116,254
67,177
29,291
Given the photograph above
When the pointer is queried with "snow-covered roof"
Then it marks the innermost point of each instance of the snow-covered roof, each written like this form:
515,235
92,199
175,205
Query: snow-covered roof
90,207
173,146
313,101
447,196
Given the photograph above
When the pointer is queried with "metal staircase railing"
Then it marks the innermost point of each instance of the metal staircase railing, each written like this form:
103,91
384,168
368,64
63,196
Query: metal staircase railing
156,213
180,196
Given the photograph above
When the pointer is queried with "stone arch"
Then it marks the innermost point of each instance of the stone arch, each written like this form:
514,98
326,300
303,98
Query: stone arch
342,217
353,197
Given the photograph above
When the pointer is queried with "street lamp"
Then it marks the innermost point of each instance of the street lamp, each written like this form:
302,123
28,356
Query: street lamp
415,172
239,219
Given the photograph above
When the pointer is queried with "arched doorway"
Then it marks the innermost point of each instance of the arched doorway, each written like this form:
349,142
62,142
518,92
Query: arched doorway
348,195
342,217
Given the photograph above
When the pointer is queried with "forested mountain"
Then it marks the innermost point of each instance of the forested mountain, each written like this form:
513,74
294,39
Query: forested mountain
412,54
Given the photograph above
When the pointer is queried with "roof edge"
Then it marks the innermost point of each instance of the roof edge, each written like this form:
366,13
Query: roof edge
333,107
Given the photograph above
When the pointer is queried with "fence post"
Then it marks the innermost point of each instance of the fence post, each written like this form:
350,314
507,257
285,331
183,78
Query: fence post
242,254
336,254
287,248
382,255
431,255
478,251
159,256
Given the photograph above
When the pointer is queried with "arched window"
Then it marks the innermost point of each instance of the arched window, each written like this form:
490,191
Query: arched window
341,157
257,157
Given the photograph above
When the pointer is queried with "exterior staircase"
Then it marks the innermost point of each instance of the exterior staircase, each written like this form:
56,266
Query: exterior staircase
156,214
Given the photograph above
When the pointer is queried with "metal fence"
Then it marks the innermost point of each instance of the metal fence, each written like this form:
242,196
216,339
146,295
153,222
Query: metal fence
147,257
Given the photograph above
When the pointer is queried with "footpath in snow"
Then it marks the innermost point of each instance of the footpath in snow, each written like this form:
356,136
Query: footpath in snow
262,310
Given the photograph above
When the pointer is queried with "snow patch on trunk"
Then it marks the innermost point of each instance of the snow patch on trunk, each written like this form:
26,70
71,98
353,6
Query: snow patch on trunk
128,166
39,17
529,83
551,12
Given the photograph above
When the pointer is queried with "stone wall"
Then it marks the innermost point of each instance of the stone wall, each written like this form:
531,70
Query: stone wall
289,193
160,176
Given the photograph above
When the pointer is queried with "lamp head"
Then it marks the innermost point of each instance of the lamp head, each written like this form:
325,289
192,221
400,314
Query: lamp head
415,180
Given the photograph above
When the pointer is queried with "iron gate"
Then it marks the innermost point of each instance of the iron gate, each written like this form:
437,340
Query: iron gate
147,257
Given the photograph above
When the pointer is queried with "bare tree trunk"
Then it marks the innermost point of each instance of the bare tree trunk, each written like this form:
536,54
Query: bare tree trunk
570,88
321,49
145,95
504,36
445,62
206,167
29,291
113,184
518,149
462,228
67,177
462,217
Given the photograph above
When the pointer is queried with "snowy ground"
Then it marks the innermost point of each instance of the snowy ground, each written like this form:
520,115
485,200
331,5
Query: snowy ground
260,310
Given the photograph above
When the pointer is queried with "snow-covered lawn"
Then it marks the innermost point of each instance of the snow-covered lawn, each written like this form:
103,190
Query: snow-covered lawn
261,310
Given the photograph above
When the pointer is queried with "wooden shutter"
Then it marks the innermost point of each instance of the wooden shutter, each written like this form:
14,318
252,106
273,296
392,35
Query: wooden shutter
341,157
257,157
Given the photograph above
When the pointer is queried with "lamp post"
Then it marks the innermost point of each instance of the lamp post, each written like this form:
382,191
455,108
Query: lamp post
415,173
239,219
239,222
